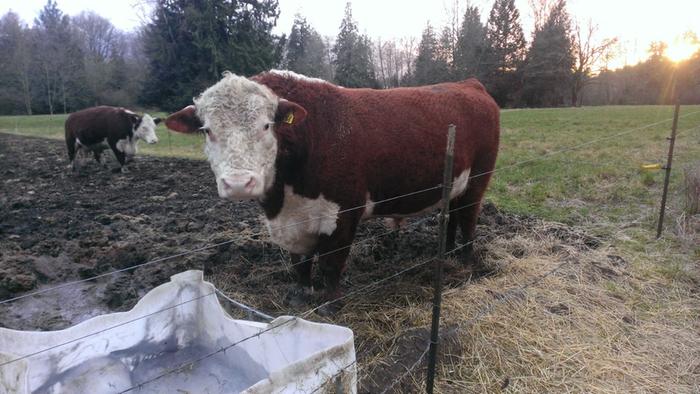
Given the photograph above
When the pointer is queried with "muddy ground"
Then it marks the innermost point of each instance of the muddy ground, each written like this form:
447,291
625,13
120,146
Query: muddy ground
57,227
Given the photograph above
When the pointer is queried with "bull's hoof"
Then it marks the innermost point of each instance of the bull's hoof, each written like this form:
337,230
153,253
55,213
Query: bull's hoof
299,296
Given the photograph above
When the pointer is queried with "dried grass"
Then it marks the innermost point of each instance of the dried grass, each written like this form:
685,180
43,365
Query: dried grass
596,326
605,322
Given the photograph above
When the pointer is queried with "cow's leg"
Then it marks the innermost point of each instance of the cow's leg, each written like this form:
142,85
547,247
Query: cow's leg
333,252
71,145
468,207
121,157
452,226
97,153
303,266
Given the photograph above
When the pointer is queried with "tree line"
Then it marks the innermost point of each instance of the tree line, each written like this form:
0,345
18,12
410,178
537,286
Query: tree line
60,64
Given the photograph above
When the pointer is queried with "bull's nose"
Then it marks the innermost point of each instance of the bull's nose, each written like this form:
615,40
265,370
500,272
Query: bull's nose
238,183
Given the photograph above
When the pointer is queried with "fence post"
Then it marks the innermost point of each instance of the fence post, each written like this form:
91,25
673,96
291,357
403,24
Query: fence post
437,267
669,161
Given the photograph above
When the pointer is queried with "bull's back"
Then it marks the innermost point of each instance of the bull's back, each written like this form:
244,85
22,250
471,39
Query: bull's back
403,132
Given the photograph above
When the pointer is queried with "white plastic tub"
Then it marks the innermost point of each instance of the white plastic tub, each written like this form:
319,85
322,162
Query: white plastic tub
194,347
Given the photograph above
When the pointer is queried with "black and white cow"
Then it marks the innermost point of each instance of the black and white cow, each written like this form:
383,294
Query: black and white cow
98,128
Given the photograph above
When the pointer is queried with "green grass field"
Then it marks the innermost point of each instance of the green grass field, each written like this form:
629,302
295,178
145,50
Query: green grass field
600,180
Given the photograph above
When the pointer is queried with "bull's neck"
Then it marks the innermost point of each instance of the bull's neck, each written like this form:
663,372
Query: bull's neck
288,171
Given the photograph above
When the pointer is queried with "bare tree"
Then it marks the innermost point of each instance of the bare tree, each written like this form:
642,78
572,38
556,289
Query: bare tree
97,34
540,11
409,51
587,55
380,67
329,42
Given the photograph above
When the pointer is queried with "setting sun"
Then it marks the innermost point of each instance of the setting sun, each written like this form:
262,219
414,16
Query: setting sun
681,50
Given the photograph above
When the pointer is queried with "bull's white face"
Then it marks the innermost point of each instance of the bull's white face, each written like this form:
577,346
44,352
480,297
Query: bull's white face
146,130
238,118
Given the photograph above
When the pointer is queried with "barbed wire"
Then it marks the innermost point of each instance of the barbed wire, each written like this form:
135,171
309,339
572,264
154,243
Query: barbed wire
408,370
368,204
190,364
504,297
202,248
477,317
4,363
311,258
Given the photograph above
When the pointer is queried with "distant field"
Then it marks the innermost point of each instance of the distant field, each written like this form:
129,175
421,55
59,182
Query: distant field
601,179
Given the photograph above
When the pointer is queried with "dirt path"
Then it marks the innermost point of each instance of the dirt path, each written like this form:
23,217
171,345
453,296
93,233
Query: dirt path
57,227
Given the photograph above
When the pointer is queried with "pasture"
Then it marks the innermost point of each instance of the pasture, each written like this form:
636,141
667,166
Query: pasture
622,313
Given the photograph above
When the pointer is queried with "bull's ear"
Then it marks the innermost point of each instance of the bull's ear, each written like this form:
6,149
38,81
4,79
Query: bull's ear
184,120
289,113
157,120
135,121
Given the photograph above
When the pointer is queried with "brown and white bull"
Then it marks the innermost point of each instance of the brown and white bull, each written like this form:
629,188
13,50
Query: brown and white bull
310,152
90,128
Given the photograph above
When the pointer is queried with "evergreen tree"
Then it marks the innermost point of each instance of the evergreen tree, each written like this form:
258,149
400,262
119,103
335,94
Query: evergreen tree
429,67
306,52
445,55
353,55
547,75
15,96
190,43
506,51
471,46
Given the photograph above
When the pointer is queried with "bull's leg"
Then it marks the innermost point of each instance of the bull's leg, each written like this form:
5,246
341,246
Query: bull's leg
333,252
303,267
70,144
468,207
97,153
121,157
452,227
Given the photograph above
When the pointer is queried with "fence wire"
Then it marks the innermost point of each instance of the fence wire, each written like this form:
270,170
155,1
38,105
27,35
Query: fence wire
347,210
483,312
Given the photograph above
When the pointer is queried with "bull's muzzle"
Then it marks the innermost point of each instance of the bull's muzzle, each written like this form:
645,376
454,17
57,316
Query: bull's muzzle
242,185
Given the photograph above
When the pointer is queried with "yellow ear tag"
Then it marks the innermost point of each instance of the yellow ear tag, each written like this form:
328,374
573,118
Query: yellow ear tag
289,119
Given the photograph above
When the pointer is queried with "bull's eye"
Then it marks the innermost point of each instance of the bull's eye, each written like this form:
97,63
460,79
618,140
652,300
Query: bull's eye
204,130
267,126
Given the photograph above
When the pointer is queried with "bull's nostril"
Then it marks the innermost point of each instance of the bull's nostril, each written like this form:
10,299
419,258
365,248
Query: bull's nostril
251,184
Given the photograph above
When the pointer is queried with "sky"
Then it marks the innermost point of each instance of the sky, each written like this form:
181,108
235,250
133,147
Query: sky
635,23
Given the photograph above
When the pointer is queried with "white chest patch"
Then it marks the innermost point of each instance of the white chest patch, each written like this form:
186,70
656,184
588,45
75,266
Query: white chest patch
300,222
127,146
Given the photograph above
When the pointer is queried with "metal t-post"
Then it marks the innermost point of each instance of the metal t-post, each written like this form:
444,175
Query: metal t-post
669,161
437,268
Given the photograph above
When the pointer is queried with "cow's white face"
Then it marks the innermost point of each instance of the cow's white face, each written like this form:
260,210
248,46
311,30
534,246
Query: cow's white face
146,130
238,118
